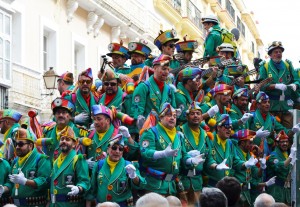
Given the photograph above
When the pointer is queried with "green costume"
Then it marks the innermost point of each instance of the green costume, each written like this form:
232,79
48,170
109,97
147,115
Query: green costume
188,177
36,167
160,174
280,191
8,134
212,41
219,155
207,105
235,115
115,186
183,100
282,72
147,96
73,171
4,181
123,70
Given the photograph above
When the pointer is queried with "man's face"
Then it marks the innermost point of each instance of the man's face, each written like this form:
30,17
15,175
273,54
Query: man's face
66,144
101,123
246,145
110,87
241,102
161,72
62,116
168,48
23,147
227,55
194,117
118,60
276,55
115,152
137,58
85,84
169,120
224,131
283,145
188,55
264,106
4,125
60,86
207,25
224,99
194,84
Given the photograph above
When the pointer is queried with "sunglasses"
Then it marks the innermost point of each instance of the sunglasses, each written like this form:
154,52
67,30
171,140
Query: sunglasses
121,149
171,45
110,83
85,81
21,144
226,126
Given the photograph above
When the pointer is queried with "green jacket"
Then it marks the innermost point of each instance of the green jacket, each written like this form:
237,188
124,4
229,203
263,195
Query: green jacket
5,171
36,167
151,142
235,115
218,154
115,187
287,75
73,171
9,134
183,100
212,41
276,168
123,70
187,175
147,96
116,101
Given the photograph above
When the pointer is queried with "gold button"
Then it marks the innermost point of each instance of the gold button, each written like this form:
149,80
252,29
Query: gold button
110,187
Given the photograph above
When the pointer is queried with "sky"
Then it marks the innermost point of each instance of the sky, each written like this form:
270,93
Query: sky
279,20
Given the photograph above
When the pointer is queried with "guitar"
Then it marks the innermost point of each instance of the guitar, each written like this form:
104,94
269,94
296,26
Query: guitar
260,84
250,72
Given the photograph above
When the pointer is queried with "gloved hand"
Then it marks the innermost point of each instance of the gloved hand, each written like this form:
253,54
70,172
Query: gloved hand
90,163
262,133
280,86
18,178
263,162
124,131
81,118
293,151
245,117
195,160
131,171
271,181
74,190
194,153
222,165
213,110
251,162
168,152
293,86
1,190
140,121
296,128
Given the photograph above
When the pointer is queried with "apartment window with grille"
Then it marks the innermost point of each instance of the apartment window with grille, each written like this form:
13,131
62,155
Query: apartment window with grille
258,54
243,30
194,14
230,9
3,97
5,45
220,2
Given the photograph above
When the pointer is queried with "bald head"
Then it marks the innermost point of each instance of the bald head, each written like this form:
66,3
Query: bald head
264,200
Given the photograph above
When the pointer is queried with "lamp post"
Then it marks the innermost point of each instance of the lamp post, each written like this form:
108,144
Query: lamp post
50,79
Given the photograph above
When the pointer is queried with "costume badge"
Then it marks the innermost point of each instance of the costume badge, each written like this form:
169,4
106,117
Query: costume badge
275,161
226,172
270,75
145,143
31,174
69,179
161,140
213,151
137,99
257,125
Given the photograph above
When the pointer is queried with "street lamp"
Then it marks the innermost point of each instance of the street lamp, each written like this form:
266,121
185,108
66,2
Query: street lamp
50,79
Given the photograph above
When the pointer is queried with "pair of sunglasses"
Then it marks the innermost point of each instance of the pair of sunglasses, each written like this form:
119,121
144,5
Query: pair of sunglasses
121,149
85,81
110,83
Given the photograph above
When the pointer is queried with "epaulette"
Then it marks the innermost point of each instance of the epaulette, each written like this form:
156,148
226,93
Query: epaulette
49,125
289,61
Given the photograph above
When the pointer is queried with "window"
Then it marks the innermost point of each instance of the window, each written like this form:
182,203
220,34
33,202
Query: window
49,48
79,58
252,47
3,98
194,14
176,4
5,45
230,9
240,26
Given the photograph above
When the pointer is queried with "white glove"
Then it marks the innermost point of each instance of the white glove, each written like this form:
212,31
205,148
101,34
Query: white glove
271,181
280,86
222,165
1,190
194,153
245,117
18,178
293,151
168,152
262,133
296,128
213,110
131,171
251,162
140,121
173,87
74,190
263,162
195,160
90,163
124,131
81,118
293,86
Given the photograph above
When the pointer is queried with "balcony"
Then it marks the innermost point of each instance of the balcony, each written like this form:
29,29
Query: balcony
169,8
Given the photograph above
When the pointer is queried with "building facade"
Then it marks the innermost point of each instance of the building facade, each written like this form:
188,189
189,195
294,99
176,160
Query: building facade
73,35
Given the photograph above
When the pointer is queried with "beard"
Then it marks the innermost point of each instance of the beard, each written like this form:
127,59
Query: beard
65,148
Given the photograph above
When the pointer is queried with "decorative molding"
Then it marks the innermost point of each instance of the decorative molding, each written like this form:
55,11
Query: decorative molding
91,20
98,26
115,33
72,6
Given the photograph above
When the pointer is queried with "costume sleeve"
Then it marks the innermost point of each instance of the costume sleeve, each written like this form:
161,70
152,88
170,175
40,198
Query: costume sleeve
82,173
43,173
147,145
139,100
